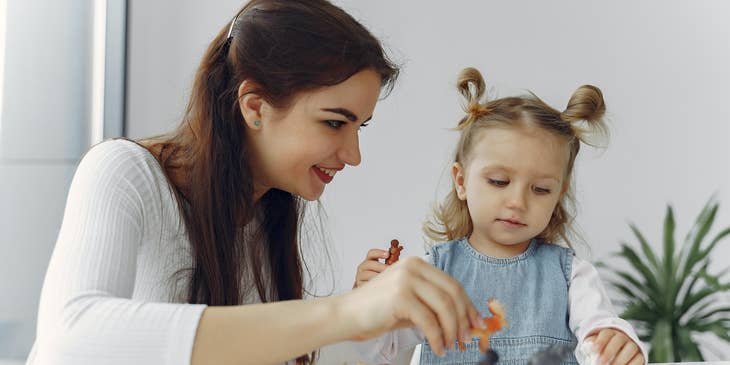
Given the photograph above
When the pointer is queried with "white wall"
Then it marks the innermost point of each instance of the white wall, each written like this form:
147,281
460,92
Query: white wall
661,64
43,131
47,54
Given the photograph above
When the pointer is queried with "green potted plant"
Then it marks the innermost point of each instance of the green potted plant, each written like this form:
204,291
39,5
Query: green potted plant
671,296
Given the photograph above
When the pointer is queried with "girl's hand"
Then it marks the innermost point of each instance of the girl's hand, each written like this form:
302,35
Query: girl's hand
616,348
371,267
410,293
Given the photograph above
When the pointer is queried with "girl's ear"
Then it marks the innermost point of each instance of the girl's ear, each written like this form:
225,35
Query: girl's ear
457,174
251,104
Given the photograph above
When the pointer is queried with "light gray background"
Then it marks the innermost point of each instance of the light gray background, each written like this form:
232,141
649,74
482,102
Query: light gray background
662,66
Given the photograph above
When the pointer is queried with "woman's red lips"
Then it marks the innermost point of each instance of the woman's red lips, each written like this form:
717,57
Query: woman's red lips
322,175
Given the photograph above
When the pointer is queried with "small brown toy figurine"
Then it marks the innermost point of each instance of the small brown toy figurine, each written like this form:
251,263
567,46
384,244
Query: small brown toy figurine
394,250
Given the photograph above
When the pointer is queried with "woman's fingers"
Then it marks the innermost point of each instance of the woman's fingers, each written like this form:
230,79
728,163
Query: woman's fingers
448,298
466,315
443,308
422,316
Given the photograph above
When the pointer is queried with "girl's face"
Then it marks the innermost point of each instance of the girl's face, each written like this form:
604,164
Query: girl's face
302,148
512,180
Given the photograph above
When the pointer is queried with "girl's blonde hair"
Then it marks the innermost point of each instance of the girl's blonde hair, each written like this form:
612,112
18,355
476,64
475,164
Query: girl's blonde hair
582,118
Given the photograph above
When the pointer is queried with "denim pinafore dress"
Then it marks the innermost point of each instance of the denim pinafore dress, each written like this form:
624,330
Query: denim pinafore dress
533,287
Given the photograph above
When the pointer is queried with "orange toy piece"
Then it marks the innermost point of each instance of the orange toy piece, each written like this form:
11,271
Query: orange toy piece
394,250
495,323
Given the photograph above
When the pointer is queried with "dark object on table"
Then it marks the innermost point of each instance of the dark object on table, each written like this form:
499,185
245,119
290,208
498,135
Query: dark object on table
489,358
553,355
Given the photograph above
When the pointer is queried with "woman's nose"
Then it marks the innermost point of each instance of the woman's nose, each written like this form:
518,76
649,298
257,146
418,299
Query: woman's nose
350,151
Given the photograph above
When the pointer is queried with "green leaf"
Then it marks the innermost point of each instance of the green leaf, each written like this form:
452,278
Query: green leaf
670,266
640,311
704,253
699,230
652,283
688,349
688,291
626,291
698,296
722,331
633,281
661,343
648,252
670,295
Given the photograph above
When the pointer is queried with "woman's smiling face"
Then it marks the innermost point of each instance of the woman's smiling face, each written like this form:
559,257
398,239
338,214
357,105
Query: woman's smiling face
300,149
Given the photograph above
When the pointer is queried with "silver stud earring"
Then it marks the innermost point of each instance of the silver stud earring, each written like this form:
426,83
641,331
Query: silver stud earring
257,123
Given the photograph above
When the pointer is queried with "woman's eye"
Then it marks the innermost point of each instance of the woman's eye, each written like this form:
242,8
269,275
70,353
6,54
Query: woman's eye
334,124
362,126
498,182
540,190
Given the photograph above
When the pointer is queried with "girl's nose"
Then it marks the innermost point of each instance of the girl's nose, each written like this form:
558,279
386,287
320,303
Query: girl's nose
517,199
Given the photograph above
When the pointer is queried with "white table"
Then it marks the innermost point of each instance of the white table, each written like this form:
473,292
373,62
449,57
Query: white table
688,363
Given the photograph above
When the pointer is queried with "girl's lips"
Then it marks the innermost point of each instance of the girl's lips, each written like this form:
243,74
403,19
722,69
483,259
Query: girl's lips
321,175
511,223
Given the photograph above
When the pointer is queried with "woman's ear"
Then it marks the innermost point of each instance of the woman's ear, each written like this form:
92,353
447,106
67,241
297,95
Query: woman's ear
457,174
251,104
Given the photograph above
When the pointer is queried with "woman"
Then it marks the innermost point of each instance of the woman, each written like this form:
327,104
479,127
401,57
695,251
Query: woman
184,248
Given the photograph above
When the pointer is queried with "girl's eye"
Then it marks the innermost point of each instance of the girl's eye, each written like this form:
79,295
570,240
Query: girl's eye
540,190
498,182
334,124
362,126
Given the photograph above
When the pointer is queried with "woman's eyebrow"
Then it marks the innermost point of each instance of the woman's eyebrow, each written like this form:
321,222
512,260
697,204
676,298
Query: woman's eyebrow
345,113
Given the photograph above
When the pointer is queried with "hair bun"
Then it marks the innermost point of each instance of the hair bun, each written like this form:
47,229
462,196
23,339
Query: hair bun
471,85
586,103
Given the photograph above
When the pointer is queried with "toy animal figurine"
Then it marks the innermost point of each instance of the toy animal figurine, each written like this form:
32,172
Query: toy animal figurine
494,323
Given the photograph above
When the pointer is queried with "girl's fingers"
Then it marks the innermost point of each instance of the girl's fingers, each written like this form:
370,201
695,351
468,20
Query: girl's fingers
371,266
364,277
375,254
601,339
612,348
626,354
637,360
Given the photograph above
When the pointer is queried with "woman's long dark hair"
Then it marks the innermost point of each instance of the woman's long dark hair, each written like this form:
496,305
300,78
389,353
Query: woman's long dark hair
285,47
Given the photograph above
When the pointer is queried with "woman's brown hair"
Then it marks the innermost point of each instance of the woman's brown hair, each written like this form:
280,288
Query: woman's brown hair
582,117
285,47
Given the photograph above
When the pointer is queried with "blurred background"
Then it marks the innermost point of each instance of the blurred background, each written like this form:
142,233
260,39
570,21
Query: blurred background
75,72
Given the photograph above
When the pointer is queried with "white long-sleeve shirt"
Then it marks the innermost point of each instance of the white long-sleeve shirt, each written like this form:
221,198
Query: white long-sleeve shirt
114,291
589,310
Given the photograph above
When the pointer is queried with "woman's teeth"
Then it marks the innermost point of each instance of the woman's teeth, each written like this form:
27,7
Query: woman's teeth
329,172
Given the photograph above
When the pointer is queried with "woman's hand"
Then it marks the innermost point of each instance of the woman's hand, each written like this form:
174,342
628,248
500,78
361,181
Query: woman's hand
616,348
410,293
371,267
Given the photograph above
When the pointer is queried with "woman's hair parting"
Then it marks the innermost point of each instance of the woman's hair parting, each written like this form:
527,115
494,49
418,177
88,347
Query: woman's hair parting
581,121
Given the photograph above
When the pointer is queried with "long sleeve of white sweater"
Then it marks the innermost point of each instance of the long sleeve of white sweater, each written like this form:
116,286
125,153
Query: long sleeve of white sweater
106,297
